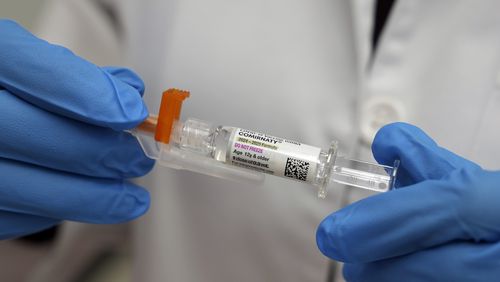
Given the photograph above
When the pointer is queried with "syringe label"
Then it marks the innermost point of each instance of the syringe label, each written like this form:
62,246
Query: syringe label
273,155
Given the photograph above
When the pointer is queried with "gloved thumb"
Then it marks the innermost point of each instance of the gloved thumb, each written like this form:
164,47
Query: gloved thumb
421,158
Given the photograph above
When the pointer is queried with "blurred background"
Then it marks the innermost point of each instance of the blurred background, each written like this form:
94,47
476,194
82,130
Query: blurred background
105,258
23,11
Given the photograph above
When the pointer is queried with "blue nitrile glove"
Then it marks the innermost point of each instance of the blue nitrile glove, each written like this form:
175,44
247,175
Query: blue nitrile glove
443,225
63,154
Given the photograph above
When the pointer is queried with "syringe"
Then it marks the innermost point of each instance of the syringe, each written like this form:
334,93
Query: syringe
246,156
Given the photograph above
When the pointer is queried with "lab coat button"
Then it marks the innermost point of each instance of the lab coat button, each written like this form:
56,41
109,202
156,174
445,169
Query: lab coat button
377,112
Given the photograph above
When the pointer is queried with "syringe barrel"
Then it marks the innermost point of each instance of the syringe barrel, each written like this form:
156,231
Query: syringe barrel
281,157
248,149
242,155
375,177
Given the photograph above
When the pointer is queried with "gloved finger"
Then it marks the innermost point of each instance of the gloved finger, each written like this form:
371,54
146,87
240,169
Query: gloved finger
15,224
127,76
29,189
55,79
421,158
427,214
459,261
32,135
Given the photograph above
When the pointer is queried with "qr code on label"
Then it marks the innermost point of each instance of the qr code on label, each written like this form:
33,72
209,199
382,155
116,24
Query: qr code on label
296,169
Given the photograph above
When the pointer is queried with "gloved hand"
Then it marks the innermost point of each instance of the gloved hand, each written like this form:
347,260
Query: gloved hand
63,154
443,224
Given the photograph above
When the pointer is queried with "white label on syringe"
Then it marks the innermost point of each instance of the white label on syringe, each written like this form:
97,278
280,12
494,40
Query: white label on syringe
273,155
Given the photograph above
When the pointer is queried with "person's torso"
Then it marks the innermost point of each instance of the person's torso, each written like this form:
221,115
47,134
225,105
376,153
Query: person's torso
299,69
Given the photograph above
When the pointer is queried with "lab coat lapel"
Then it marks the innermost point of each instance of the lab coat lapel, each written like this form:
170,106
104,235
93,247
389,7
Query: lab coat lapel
362,16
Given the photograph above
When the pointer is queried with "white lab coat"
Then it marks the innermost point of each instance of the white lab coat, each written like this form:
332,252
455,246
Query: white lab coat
291,68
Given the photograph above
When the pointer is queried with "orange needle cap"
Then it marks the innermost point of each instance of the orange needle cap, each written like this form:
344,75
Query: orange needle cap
170,111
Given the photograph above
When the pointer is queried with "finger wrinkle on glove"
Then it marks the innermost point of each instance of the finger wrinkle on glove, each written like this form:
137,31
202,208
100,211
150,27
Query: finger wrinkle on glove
124,106
127,160
126,203
127,76
331,238
477,213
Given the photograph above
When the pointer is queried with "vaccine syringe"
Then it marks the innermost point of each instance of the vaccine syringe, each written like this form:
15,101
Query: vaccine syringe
247,156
